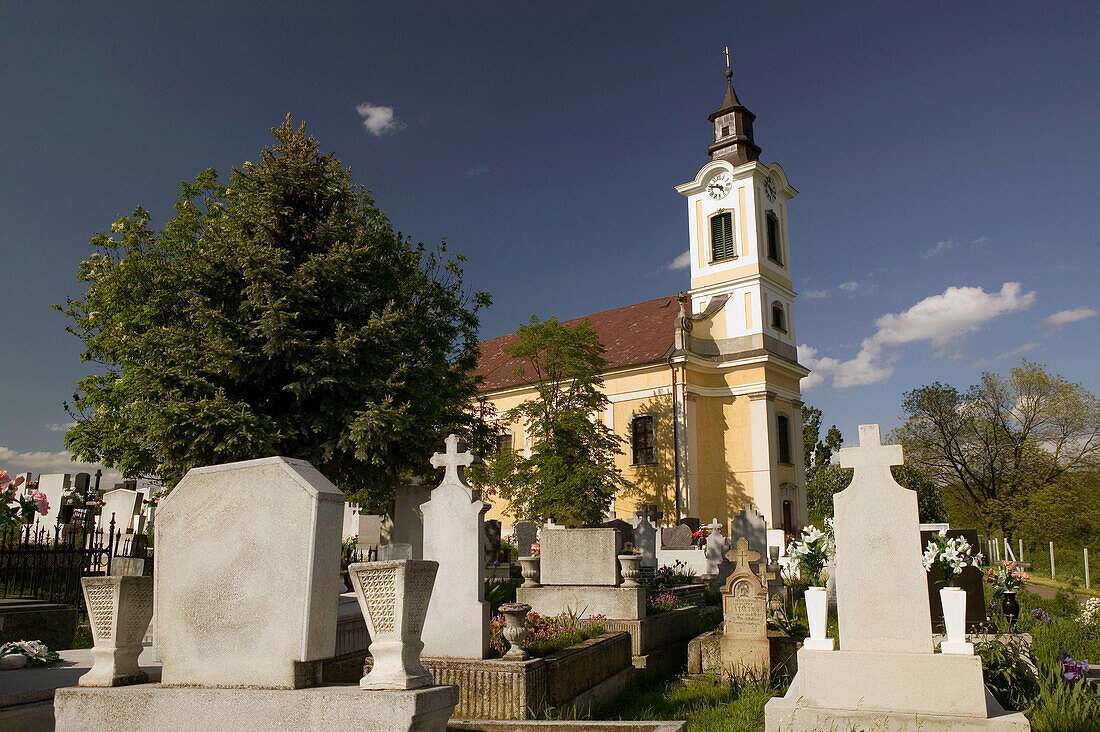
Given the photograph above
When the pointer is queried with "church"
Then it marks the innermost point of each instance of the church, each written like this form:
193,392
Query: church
703,386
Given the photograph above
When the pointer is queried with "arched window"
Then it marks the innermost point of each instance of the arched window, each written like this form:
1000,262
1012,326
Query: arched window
721,237
779,319
775,251
784,429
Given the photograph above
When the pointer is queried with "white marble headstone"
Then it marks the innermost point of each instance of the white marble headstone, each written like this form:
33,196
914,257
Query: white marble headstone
882,602
53,485
121,502
457,625
247,575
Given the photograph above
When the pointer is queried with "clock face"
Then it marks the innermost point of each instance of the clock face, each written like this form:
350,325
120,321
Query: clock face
769,189
720,185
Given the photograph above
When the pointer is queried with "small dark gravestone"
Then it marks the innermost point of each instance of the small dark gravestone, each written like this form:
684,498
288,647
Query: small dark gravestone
745,650
971,581
676,537
492,541
690,521
626,531
527,533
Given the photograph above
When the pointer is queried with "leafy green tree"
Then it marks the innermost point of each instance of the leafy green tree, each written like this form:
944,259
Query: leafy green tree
1003,439
278,314
570,475
817,452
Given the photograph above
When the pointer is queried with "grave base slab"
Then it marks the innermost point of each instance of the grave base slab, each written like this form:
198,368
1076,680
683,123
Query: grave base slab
918,691
618,603
154,707
786,714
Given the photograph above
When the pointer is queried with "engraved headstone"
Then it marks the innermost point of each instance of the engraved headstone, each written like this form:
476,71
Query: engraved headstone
676,537
527,533
457,625
246,575
745,649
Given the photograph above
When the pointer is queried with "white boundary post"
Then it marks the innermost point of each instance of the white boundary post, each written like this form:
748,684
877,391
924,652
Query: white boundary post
1052,560
1021,545
1087,568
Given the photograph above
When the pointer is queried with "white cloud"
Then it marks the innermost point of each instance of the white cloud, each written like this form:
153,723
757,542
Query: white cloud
60,427
52,462
1064,317
849,286
682,261
946,246
816,294
378,119
939,319
475,171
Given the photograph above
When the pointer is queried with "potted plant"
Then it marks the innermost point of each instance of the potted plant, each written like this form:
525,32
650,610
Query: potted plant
699,537
530,567
949,557
1006,579
810,554
630,562
9,511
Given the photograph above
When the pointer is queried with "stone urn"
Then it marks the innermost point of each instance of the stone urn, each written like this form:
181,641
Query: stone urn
119,611
953,601
394,599
1011,608
817,613
530,571
515,630
631,565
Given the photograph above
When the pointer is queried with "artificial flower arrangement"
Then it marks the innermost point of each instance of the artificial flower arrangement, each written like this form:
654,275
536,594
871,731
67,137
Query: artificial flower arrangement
26,506
34,651
810,553
1006,577
629,548
535,549
950,556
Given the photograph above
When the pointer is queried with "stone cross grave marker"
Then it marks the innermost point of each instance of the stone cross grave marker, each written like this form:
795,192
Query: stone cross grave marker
457,625
527,533
878,546
715,548
745,650
645,539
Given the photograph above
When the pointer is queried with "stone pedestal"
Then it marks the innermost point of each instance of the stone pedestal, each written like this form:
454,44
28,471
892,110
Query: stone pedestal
617,603
154,708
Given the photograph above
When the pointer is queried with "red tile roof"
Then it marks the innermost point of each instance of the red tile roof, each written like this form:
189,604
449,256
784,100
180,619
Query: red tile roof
632,335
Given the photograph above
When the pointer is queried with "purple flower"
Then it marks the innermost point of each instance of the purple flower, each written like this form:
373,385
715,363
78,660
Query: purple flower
1041,615
1073,671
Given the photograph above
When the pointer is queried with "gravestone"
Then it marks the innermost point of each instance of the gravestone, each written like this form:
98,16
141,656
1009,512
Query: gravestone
351,521
626,531
580,557
527,533
676,537
408,524
649,510
247,575
691,522
971,580
492,542
745,649
645,539
123,503
885,675
716,548
457,625
369,531
54,486
750,524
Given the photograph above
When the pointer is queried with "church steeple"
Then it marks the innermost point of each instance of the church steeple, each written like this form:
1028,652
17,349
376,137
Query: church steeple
732,124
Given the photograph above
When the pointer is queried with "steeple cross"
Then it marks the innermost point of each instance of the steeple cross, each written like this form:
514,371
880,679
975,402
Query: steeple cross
871,457
727,58
452,459
742,555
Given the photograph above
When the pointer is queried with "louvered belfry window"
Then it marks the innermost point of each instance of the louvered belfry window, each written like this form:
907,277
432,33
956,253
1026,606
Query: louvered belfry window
721,237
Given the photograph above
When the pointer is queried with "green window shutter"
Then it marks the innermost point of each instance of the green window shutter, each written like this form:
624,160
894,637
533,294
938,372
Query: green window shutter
721,236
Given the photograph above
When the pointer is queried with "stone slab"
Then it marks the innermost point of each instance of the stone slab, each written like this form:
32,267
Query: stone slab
247,573
790,714
913,683
617,603
153,708
527,533
580,557
501,725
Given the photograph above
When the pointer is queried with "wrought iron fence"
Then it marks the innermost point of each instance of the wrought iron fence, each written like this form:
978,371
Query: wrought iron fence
46,563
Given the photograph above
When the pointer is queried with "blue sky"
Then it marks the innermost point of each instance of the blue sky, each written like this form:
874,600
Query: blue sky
946,155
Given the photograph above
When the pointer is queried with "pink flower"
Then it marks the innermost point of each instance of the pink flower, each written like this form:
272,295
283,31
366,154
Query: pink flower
4,477
43,505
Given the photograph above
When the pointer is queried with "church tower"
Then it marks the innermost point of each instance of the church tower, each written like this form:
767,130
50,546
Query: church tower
740,329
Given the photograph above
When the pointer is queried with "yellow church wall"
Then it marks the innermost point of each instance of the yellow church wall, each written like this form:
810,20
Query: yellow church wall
722,464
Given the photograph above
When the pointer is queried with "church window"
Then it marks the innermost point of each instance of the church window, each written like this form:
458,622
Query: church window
774,250
784,430
721,237
779,319
725,130
504,441
643,441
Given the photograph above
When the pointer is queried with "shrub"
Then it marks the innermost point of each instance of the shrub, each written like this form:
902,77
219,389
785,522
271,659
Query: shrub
663,602
547,634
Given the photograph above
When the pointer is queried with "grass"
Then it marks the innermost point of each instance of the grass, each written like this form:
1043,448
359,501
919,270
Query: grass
1065,586
1069,561
709,704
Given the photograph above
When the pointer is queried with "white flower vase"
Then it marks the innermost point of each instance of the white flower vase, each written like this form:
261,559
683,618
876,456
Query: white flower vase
530,571
817,611
953,601
119,611
394,599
